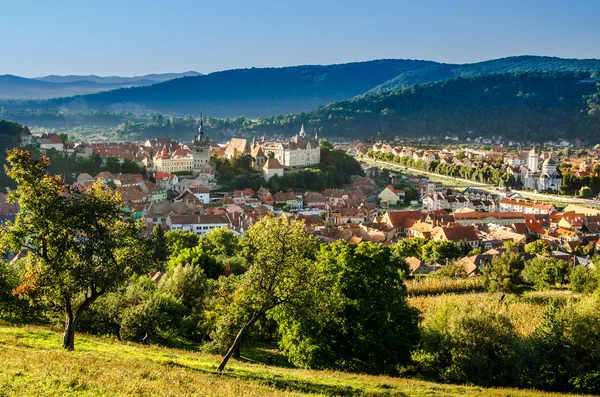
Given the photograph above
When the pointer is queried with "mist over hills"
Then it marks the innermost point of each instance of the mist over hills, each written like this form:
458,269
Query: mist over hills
53,86
250,92
155,77
259,92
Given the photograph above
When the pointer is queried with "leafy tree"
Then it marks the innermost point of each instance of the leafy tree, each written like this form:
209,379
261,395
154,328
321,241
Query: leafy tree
503,274
436,251
197,256
159,243
10,306
583,279
359,296
511,244
81,244
178,240
280,253
112,165
411,246
538,247
545,273
220,241
463,344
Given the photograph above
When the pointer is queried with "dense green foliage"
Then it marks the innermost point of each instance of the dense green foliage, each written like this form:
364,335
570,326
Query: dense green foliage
466,344
358,318
534,105
80,244
478,173
503,274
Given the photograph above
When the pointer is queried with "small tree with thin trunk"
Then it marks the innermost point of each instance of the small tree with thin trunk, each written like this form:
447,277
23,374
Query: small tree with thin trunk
80,244
280,255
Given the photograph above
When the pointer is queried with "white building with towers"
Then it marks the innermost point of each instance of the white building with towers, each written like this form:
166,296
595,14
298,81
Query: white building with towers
545,179
300,151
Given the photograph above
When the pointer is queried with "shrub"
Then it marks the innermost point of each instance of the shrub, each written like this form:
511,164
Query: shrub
583,279
544,273
464,344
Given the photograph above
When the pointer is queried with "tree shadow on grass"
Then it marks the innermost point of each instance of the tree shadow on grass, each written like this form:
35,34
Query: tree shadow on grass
281,383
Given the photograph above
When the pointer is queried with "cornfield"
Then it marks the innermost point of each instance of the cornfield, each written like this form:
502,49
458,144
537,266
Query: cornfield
444,285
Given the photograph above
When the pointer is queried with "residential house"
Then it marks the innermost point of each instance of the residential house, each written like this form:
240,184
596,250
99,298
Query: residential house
166,180
457,234
199,224
271,168
392,196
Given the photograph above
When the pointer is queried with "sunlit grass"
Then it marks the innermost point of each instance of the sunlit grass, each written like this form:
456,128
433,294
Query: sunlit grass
34,364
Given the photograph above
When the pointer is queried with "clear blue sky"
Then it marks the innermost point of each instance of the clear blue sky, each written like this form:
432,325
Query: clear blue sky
130,37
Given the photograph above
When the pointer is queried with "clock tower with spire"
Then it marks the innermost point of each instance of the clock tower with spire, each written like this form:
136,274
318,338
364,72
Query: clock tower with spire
200,150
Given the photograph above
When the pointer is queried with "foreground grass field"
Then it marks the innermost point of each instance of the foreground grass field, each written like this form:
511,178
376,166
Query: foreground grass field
32,363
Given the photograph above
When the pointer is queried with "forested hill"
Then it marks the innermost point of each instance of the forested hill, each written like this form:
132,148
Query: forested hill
526,63
531,105
245,92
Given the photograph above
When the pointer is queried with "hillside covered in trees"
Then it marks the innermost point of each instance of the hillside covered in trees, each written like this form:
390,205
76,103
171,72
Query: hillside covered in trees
257,92
532,105
247,92
525,63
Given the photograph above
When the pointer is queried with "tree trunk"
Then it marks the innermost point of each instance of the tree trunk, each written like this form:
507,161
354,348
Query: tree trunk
71,319
238,353
237,341
69,336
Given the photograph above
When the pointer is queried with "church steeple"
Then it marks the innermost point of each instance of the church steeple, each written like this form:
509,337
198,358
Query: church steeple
201,130
302,132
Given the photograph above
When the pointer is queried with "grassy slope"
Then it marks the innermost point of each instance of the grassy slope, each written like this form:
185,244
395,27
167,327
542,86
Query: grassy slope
33,364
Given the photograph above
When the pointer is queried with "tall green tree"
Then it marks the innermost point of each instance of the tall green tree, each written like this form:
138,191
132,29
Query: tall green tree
503,274
220,241
538,247
198,257
159,243
280,255
81,245
358,318
545,273
178,240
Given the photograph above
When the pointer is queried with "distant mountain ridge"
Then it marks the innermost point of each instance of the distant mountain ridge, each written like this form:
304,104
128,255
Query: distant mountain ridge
250,92
524,63
15,87
262,92
155,77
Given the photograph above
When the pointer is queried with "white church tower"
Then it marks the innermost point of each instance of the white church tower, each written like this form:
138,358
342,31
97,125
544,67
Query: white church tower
533,160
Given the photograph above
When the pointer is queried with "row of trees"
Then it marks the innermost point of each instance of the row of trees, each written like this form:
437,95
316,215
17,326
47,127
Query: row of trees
477,173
